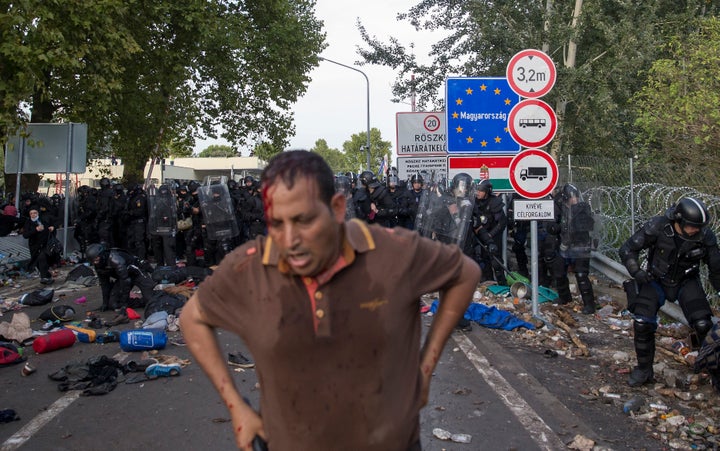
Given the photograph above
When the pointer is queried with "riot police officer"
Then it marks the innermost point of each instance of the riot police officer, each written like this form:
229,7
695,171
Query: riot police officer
519,231
414,194
382,204
193,236
137,213
118,208
489,223
361,196
85,214
677,243
104,212
343,185
118,271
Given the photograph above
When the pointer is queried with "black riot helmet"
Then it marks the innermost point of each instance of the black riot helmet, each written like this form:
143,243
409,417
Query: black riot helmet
118,188
343,185
366,178
164,190
232,184
94,250
486,187
461,184
193,186
691,211
104,182
352,176
570,192
416,178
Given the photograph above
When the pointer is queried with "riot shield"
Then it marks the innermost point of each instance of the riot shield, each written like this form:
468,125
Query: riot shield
576,227
444,217
343,185
217,212
162,218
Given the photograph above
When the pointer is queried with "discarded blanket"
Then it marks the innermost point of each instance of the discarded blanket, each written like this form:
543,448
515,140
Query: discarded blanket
97,376
490,317
18,329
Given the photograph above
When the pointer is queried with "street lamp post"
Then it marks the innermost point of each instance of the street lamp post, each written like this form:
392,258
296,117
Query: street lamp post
367,81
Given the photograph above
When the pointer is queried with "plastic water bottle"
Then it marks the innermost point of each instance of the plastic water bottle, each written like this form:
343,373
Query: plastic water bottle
633,404
142,339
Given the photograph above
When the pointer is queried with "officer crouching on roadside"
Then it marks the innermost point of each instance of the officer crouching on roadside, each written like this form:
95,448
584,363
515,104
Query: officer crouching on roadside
676,242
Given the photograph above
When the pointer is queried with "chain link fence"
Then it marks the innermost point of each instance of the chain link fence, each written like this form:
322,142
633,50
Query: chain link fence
624,194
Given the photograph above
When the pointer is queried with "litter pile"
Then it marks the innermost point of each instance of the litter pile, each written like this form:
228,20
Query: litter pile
681,409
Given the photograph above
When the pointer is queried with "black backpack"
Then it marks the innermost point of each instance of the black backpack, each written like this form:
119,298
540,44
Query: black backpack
37,297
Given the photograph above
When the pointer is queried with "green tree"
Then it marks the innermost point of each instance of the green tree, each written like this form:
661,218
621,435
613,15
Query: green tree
179,70
334,158
354,150
600,49
217,150
677,108
57,58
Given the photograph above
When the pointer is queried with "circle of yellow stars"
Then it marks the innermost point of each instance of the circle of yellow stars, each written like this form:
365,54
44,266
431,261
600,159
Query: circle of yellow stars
455,115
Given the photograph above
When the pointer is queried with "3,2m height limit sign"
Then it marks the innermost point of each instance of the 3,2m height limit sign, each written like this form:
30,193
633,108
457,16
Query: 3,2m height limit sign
531,73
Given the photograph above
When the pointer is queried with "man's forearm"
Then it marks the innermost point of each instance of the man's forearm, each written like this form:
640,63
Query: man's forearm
453,303
202,343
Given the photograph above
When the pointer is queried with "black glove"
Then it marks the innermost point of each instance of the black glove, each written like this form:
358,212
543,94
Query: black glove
641,276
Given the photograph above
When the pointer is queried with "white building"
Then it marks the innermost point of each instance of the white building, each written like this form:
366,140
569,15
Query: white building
183,169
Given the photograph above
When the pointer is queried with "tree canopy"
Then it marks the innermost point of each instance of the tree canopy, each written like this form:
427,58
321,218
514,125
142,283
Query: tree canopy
602,50
150,77
217,150
677,108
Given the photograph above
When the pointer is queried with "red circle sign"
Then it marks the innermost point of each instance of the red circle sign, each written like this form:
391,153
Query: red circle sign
431,123
532,123
533,173
531,73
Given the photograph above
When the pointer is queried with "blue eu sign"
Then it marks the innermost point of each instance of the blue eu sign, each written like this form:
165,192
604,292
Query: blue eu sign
477,112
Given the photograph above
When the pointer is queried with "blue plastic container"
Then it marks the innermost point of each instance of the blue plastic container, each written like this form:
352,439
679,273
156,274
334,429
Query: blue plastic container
142,339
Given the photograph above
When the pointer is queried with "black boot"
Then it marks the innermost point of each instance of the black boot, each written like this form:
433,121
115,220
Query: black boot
588,305
640,376
644,341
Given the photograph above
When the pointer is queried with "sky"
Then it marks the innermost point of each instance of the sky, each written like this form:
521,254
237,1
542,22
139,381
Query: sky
335,104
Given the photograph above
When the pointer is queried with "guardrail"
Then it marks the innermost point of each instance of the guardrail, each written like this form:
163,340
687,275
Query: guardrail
618,273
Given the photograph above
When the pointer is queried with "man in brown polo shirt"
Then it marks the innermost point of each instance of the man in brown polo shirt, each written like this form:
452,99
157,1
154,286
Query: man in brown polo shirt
329,311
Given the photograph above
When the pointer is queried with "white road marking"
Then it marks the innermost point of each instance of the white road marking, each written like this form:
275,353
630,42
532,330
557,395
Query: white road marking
24,434
37,423
539,431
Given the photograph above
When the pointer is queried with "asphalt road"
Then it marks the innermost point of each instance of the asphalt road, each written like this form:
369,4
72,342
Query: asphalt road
505,396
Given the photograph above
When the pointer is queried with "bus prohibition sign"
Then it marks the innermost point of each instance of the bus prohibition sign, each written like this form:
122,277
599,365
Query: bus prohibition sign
531,73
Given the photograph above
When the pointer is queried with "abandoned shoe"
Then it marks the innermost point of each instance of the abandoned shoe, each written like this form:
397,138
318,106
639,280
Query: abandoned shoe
237,359
640,376
119,319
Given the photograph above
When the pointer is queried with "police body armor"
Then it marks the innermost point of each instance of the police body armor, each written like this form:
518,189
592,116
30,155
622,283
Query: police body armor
217,212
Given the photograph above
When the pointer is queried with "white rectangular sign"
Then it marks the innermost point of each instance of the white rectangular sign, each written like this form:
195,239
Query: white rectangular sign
534,210
421,133
407,166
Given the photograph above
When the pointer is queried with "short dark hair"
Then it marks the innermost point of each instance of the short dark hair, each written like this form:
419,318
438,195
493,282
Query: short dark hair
288,166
